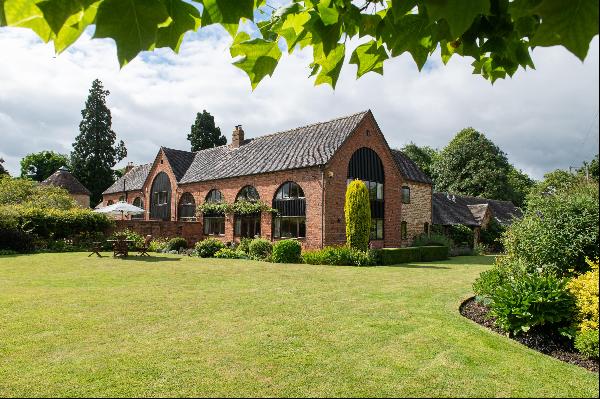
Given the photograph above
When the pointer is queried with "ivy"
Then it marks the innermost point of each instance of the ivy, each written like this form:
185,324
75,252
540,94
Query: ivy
238,208
498,35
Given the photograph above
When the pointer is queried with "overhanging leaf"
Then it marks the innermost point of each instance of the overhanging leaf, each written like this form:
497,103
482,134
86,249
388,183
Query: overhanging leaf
369,57
184,18
259,57
227,13
26,14
328,67
133,25
458,13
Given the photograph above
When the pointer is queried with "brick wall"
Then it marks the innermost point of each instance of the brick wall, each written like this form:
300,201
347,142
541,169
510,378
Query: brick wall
368,135
418,211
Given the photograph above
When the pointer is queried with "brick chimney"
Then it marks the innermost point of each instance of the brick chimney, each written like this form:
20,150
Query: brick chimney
128,168
237,138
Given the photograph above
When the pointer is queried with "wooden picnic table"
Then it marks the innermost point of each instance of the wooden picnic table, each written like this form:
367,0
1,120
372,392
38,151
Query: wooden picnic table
120,247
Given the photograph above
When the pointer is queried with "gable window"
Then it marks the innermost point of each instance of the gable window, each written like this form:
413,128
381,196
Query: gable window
405,195
214,222
187,208
366,165
290,221
247,225
404,230
140,204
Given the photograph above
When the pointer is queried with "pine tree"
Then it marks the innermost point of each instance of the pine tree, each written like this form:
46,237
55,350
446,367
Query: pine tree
2,170
204,134
94,150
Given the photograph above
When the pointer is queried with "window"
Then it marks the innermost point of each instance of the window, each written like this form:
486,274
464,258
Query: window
140,204
426,228
247,225
376,229
121,198
160,198
404,230
187,208
405,195
214,223
290,203
366,165
109,202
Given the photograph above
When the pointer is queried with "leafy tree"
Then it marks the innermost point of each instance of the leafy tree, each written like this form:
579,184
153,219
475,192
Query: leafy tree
23,191
422,156
471,164
519,185
589,169
2,170
94,150
40,165
497,34
357,210
204,134
557,180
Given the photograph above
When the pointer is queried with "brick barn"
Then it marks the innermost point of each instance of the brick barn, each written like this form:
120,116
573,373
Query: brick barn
302,172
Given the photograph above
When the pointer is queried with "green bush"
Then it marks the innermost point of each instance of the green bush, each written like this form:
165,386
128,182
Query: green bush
17,240
208,248
502,272
244,245
586,342
136,237
286,251
227,253
491,237
260,249
32,194
177,243
394,256
426,240
433,253
558,231
357,211
533,299
158,244
339,256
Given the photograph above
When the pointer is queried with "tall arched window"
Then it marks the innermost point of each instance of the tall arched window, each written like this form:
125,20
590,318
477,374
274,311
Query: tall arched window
187,208
247,225
290,203
366,165
140,204
214,222
405,195
160,198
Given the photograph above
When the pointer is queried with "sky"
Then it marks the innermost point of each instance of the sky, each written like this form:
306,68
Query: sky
542,119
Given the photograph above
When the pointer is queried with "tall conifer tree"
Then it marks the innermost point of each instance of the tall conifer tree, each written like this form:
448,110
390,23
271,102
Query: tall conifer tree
204,133
94,150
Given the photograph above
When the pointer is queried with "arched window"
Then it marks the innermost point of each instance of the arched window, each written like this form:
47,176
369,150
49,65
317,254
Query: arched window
109,202
160,198
405,195
366,165
121,198
140,204
290,203
247,193
247,225
214,222
404,230
187,208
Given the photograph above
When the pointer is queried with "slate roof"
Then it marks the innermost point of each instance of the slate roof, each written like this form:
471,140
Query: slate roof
306,146
63,178
409,169
134,180
179,160
449,209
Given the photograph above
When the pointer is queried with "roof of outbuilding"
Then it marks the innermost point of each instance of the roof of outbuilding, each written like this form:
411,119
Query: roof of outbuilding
409,169
134,180
63,178
449,209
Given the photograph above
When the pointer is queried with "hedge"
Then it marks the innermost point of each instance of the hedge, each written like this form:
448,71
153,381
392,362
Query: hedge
393,256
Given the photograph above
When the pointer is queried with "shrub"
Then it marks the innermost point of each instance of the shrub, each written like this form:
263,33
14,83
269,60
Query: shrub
533,299
433,253
339,256
176,244
558,231
426,240
208,248
585,290
394,256
357,210
30,193
227,253
158,244
487,282
244,245
16,240
136,237
286,251
491,237
260,249
586,342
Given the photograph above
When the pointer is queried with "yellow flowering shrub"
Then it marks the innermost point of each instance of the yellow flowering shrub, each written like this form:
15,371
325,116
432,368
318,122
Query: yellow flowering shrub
585,290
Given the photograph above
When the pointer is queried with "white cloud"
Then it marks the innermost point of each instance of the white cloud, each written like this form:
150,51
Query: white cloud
543,119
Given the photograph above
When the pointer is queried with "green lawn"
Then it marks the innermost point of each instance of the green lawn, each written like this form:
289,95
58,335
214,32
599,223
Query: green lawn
170,326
